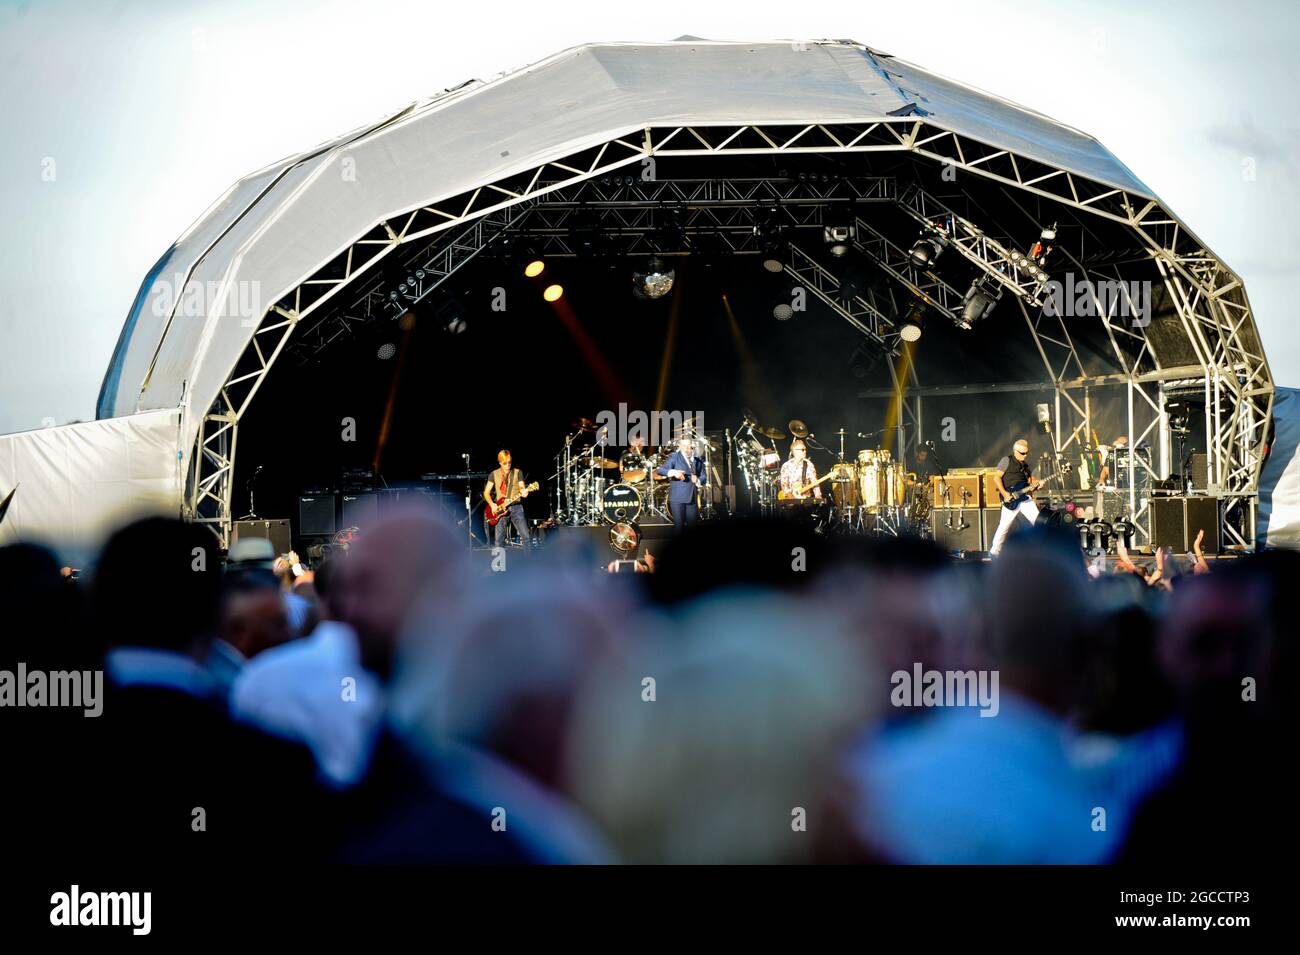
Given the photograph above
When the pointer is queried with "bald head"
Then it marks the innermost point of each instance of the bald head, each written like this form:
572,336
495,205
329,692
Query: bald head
408,555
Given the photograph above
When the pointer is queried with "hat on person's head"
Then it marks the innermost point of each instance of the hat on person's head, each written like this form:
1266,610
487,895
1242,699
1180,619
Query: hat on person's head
250,552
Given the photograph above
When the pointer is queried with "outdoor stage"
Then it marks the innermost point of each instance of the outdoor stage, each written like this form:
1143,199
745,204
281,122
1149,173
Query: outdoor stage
832,237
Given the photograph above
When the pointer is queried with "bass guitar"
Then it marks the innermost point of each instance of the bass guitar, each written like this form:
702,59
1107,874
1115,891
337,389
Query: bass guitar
1024,490
496,511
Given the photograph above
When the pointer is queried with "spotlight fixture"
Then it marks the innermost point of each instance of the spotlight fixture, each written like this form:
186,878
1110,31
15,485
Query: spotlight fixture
782,311
979,301
451,317
1027,265
853,283
774,255
386,351
1043,247
926,250
655,281
839,238
553,293
534,268
910,329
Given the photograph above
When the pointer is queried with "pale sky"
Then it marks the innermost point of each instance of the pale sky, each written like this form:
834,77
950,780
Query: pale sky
125,120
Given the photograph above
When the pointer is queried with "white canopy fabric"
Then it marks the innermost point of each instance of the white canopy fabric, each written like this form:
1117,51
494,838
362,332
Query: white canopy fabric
1278,519
75,484
275,228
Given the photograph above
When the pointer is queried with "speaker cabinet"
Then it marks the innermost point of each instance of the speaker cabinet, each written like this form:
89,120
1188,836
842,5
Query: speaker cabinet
277,532
990,517
954,491
1200,472
359,509
1175,522
317,514
956,537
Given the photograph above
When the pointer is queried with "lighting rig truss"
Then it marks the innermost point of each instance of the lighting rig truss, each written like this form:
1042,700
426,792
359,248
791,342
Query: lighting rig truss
1230,367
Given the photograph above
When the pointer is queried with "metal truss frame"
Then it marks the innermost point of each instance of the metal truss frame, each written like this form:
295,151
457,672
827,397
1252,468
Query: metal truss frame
1210,299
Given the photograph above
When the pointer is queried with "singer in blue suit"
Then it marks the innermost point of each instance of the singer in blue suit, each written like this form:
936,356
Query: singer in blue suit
686,471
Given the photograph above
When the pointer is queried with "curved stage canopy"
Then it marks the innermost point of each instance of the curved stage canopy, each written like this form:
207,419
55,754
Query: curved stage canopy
295,254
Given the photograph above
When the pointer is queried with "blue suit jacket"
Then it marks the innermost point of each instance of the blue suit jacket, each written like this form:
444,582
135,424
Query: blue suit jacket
682,492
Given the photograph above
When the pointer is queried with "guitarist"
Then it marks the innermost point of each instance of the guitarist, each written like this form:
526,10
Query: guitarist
1014,479
504,483
797,473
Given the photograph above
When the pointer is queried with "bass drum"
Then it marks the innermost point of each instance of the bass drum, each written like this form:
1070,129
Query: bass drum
621,504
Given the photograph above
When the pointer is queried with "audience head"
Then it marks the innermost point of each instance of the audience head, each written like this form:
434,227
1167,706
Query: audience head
253,614
158,584
719,726
407,557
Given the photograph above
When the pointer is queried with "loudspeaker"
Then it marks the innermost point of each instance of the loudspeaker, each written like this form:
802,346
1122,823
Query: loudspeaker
990,517
277,532
955,537
360,509
317,515
1176,520
1200,472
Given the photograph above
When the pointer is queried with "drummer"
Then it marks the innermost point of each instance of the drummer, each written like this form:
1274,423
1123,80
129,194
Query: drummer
798,472
634,466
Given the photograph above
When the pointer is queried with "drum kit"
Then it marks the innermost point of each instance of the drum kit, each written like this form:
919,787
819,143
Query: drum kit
868,493
587,491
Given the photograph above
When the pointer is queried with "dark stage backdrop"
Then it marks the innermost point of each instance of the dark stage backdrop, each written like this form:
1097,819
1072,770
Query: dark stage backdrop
519,377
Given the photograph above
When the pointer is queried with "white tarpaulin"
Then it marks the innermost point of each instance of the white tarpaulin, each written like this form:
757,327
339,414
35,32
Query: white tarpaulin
75,484
275,228
1278,520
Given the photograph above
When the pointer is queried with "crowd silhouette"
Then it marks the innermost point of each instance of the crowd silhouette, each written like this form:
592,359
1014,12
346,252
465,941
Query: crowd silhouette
399,703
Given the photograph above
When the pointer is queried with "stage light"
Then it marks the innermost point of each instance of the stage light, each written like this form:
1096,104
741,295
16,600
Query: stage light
910,329
534,268
774,257
926,251
386,351
655,281
553,293
854,282
839,239
393,296
979,301
782,311
419,274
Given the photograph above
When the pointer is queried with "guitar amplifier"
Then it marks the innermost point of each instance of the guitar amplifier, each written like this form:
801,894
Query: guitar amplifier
963,490
360,509
956,537
317,514
277,532
990,517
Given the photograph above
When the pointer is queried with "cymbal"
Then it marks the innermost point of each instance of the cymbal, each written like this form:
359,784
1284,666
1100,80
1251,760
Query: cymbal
776,434
583,424
798,428
604,463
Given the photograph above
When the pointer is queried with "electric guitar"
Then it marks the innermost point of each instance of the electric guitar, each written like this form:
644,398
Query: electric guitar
496,511
798,493
1024,490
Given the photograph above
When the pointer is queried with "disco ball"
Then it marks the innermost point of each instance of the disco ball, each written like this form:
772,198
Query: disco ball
655,282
